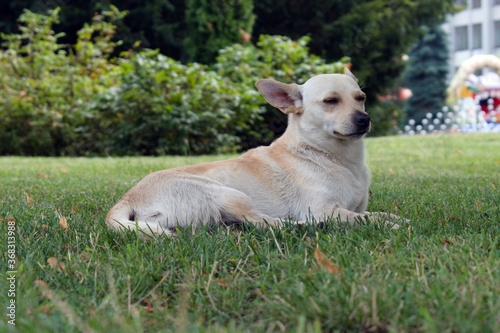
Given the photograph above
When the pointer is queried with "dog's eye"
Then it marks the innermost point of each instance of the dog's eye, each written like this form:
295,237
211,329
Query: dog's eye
332,100
361,98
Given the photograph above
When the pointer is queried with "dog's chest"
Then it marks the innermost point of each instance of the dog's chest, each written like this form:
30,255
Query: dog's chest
346,187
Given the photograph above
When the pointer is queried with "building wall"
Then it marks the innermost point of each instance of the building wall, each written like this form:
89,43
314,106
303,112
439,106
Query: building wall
478,13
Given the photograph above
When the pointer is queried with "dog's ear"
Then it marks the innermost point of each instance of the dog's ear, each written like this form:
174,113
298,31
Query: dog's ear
286,97
349,73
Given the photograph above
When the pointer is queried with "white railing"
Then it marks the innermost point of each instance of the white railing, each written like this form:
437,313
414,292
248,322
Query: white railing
467,116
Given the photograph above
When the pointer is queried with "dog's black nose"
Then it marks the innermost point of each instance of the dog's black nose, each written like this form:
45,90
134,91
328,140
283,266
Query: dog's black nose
362,119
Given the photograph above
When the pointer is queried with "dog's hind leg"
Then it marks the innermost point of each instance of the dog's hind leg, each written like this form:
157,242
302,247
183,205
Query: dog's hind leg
123,217
237,207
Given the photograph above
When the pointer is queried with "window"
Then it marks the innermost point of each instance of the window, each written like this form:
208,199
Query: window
476,3
496,33
461,38
462,3
477,36
496,2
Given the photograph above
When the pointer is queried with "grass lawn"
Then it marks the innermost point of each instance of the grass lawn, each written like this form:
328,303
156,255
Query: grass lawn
440,275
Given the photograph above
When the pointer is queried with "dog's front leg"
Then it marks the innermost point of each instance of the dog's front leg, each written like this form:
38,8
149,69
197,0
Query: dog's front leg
354,218
387,219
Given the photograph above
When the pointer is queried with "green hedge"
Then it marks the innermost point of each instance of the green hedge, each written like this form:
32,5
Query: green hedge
46,86
60,100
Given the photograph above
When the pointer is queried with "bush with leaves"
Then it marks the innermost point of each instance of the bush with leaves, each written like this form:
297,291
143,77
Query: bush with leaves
79,101
164,107
45,85
386,117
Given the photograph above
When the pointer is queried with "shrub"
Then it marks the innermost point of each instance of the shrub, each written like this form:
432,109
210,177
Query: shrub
80,101
45,86
164,107
386,117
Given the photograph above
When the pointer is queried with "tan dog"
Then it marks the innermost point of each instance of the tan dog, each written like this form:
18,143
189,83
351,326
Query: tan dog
315,170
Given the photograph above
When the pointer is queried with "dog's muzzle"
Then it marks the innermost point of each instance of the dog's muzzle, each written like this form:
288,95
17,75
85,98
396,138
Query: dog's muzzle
362,121
357,127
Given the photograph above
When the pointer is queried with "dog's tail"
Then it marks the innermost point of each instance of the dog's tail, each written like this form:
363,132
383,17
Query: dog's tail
122,216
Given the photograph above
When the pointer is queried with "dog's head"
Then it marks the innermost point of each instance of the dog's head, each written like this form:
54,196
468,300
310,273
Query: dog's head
326,106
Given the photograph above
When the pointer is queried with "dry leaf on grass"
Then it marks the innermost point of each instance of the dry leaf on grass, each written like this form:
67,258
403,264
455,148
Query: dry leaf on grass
40,283
445,242
325,263
148,307
29,199
63,222
63,170
73,209
54,263
221,282
44,308
85,256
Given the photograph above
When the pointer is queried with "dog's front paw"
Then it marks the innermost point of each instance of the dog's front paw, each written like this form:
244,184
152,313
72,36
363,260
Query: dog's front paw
387,219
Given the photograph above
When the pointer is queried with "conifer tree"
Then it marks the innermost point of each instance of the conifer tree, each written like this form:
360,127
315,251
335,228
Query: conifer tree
426,75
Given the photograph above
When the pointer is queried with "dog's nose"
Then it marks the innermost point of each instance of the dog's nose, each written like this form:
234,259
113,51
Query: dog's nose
362,119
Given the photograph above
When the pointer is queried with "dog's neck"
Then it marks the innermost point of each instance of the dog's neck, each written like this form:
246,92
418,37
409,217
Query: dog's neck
338,150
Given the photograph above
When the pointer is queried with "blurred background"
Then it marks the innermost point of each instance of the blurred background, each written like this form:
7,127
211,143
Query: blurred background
86,78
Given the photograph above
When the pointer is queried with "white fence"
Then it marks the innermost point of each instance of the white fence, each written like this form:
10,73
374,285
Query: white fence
467,116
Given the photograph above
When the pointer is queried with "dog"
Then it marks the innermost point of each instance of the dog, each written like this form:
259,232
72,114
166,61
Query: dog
315,171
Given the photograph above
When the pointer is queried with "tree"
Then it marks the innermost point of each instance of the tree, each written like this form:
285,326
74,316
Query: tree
213,25
155,23
374,33
426,75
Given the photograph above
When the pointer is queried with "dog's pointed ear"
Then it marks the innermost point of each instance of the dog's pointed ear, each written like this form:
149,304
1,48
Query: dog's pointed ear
349,73
286,97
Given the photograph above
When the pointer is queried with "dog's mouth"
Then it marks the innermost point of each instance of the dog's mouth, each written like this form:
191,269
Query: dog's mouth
355,135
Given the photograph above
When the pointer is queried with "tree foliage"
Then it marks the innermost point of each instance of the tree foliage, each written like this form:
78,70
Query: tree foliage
426,75
213,25
157,24
373,33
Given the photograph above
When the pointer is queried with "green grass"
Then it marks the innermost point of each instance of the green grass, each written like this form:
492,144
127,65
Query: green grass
441,275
